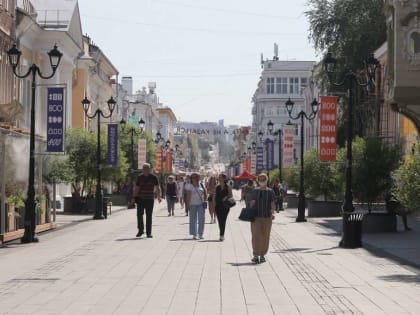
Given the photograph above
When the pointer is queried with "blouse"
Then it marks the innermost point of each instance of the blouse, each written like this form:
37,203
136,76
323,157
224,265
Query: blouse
263,199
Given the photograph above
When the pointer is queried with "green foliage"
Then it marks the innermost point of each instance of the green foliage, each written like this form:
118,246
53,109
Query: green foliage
406,187
291,177
373,163
351,29
321,178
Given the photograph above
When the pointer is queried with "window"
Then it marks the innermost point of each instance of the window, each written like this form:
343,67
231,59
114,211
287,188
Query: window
270,85
303,84
294,85
281,85
415,43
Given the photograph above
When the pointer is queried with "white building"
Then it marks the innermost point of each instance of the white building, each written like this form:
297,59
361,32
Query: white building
279,81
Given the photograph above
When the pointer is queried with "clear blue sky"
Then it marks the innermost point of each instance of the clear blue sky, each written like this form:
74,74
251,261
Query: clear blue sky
204,55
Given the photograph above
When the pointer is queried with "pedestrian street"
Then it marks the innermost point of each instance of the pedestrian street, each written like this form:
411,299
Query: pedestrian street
100,267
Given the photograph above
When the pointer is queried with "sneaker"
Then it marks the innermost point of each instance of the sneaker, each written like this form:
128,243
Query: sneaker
201,237
149,236
262,259
194,237
139,234
222,238
255,260
169,214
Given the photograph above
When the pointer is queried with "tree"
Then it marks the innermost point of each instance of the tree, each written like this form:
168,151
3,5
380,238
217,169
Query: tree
374,162
351,30
406,187
321,178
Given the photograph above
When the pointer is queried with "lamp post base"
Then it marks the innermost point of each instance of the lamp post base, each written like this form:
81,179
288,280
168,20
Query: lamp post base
301,208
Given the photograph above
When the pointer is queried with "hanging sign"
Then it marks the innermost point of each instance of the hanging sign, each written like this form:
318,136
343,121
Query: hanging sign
288,146
159,152
328,128
112,148
269,149
55,119
141,153
260,159
168,161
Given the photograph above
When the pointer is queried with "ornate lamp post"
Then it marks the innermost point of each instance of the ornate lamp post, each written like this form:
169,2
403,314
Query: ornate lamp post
352,80
14,58
132,131
279,132
99,195
302,116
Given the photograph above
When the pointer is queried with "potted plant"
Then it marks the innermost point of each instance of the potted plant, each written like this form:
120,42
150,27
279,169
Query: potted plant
322,185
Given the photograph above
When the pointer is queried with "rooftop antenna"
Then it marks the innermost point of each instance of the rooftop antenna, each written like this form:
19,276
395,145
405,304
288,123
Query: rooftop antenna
262,61
276,52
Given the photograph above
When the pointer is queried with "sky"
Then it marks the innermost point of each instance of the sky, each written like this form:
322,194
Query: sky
204,55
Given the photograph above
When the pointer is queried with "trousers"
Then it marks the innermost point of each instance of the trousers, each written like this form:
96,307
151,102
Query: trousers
260,231
145,205
222,214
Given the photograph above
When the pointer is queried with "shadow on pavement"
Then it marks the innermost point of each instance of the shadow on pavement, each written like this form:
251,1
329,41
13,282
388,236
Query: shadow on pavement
182,239
210,241
128,239
291,250
242,264
401,278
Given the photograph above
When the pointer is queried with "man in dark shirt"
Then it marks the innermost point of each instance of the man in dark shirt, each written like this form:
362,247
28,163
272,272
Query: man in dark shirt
147,185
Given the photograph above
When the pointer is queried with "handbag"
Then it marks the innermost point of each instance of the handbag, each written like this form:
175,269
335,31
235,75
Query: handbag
228,202
248,214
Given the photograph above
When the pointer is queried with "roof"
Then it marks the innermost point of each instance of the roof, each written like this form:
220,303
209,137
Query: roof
54,14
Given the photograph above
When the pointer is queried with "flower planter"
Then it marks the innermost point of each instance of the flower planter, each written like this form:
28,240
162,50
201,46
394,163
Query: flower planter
320,208
379,222
292,201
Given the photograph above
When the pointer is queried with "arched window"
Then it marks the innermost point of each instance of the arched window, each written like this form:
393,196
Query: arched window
415,42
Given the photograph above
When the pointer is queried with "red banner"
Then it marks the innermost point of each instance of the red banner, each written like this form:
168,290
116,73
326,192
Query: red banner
248,164
141,153
328,128
158,167
168,162
288,146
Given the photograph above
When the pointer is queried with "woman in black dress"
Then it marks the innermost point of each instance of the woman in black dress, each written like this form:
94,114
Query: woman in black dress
223,189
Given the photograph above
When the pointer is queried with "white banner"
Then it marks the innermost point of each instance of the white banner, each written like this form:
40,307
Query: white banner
141,153
288,146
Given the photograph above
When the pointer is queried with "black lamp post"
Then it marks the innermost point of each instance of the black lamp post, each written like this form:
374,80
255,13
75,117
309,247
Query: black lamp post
30,205
132,131
302,115
99,195
279,132
353,80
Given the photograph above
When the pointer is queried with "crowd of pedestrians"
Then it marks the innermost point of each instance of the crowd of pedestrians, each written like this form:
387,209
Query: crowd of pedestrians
195,195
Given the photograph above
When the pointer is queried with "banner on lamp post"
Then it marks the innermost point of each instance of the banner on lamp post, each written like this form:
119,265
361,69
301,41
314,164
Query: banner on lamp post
168,161
269,150
253,164
159,152
288,146
112,148
328,128
55,119
260,159
141,153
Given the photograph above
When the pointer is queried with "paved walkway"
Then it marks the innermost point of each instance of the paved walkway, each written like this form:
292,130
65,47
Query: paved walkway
99,267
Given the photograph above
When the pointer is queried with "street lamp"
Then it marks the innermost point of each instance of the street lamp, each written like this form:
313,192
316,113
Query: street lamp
132,131
302,115
352,79
14,58
99,195
279,132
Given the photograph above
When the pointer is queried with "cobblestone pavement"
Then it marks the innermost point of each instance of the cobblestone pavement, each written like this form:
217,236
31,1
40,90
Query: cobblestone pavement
100,267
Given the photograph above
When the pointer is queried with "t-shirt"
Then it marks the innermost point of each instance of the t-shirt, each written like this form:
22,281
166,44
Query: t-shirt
146,186
263,199
197,194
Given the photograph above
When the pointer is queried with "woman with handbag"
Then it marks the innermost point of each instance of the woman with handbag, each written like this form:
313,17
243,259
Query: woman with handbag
264,203
196,200
223,190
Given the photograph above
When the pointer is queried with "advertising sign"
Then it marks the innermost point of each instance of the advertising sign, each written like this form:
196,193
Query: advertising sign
288,146
269,150
141,153
55,119
260,160
328,128
159,152
168,161
112,148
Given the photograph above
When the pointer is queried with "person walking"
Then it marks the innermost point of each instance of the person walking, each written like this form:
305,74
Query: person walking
196,196
147,185
184,193
223,189
264,202
211,192
247,192
278,194
171,195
